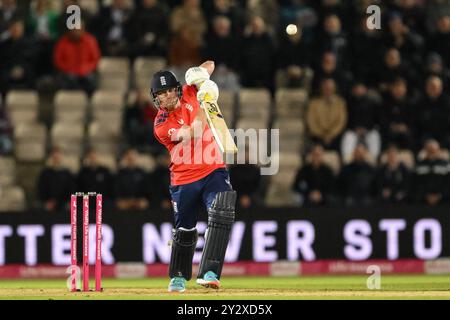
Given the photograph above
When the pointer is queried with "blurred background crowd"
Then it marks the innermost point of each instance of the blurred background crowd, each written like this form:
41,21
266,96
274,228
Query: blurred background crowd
364,114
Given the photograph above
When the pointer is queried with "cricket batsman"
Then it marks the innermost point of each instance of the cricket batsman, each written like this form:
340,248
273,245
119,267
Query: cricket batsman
178,123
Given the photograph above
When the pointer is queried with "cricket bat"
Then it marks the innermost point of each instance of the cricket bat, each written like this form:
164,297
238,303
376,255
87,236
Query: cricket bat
218,126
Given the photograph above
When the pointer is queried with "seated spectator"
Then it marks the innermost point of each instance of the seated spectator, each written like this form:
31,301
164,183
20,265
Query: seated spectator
400,36
43,27
435,67
431,175
188,14
396,116
363,118
246,180
159,183
148,30
393,178
413,13
76,56
328,69
55,183
433,114
17,60
326,116
221,47
334,39
366,49
130,184
111,28
257,56
6,130
138,122
393,67
315,181
94,177
357,180
9,13
439,41
229,9
293,58
184,50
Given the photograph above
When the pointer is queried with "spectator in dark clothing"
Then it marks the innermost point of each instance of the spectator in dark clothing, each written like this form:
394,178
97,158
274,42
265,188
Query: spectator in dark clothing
401,37
431,175
362,126
325,8
439,42
94,177
328,69
433,115
76,56
358,179
111,28
130,184
393,178
413,13
17,60
221,47
315,181
9,13
397,116
55,183
246,180
148,30
435,67
393,67
159,183
6,131
366,49
229,9
257,56
138,122
293,61
334,39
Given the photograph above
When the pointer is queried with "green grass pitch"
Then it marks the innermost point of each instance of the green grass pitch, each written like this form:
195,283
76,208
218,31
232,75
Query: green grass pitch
239,288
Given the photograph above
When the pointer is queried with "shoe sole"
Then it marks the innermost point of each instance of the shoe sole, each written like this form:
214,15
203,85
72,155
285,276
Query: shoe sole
209,284
176,291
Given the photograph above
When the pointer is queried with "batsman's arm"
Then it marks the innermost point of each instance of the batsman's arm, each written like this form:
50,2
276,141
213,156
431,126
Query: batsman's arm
195,130
199,76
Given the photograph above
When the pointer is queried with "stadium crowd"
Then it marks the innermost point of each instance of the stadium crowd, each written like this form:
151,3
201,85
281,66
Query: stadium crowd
375,95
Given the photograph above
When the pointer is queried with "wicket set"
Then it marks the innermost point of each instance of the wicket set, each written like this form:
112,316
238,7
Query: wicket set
85,245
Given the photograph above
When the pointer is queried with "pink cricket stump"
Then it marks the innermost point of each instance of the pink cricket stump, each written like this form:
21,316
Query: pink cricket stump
85,243
98,243
73,241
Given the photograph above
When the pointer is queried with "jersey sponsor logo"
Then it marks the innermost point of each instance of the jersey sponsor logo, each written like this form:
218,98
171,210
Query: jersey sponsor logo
181,121
189,107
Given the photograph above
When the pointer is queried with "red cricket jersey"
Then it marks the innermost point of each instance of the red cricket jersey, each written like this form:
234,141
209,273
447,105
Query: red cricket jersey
190,160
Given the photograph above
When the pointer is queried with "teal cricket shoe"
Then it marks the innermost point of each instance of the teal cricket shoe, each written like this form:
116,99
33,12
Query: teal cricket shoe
209,280
177,284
